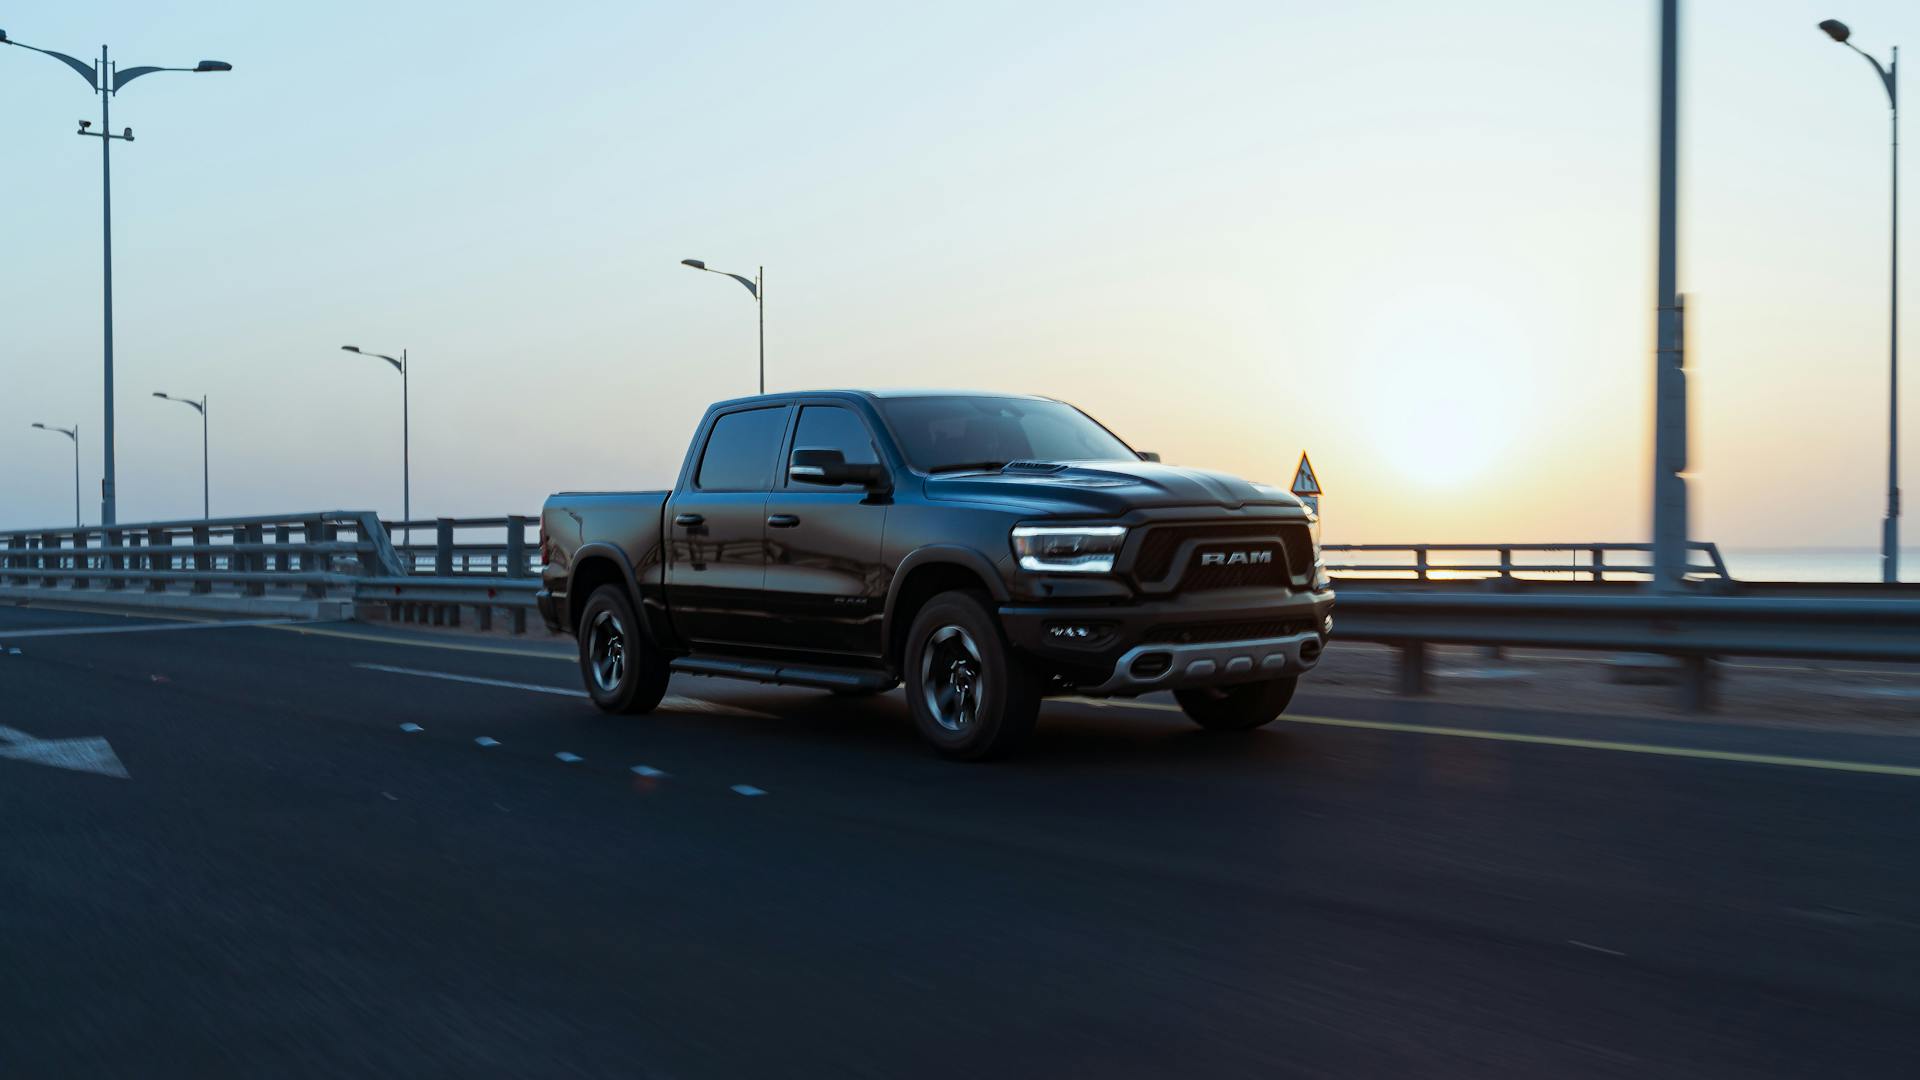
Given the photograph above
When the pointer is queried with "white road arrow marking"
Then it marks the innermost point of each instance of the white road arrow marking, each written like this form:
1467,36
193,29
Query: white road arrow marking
91,754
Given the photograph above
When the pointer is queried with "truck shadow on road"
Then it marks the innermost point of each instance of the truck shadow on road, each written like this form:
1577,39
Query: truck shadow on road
1069,733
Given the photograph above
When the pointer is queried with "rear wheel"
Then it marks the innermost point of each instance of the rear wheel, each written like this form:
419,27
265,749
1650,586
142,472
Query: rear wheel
972,696
1237,708
622,671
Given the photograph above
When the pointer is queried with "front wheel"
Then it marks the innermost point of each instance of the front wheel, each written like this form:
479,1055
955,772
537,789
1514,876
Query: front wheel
622,671
972,696
1237,708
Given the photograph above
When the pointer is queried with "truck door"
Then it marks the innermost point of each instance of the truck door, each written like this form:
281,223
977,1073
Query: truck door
826,585
716,530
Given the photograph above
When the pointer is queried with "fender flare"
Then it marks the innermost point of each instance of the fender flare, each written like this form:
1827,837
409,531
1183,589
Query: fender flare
600,549
935,554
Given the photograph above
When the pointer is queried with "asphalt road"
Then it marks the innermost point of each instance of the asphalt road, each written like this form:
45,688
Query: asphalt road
285,882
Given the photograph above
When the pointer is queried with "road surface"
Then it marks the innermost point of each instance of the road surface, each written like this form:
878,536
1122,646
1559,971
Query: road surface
225,854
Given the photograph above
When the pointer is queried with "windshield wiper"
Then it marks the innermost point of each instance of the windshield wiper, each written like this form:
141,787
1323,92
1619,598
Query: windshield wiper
970,466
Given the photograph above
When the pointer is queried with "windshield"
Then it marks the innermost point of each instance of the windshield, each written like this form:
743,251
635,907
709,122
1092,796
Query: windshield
951,434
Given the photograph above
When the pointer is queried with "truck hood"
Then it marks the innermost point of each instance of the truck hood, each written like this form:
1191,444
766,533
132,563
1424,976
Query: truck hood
1104,487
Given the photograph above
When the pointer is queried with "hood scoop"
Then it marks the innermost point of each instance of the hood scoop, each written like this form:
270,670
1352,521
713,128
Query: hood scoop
1033,468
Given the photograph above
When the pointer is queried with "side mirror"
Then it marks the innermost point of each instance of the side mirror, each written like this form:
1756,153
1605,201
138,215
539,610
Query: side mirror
1148,455
829,468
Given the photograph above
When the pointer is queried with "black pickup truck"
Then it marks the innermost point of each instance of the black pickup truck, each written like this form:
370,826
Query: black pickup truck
985,549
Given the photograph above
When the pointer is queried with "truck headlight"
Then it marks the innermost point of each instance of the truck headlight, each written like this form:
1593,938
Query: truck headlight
1320,578
1068,549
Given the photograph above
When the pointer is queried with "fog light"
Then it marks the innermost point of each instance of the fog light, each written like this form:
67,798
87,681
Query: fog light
1088,634
1326,625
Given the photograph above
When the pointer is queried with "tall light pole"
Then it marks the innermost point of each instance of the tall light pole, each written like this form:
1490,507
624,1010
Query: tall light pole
74,434
206,487
106,80
1890,537
406,432
1670,534
758,288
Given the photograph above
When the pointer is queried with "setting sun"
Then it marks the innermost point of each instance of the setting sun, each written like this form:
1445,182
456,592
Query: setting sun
1449,387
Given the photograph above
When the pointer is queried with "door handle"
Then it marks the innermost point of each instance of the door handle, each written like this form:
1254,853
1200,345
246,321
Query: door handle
689,520
783,521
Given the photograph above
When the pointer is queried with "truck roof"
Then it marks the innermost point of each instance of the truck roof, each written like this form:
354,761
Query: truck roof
881,393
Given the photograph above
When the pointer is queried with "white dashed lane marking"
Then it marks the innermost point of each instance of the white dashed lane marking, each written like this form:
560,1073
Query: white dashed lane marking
672,703
474,680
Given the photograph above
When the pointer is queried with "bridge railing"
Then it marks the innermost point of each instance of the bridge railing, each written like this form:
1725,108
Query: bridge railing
1607,561
447,547
316,554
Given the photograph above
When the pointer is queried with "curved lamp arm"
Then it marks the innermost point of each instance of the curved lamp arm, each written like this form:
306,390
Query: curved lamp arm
122,78
358,351
1886,75
85,69
746,281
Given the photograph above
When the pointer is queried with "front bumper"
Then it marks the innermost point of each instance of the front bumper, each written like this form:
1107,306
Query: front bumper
1201,639
1177,667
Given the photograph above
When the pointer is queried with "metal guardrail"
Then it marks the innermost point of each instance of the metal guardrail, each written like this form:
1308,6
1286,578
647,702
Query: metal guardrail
1693,628
465,546
317,555
1518,561
487,566
438,601
342,555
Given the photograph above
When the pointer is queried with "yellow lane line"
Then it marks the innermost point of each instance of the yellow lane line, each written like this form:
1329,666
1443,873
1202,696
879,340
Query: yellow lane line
1561,740
1616,747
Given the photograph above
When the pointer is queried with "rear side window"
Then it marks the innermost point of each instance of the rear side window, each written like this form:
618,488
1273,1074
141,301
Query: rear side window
741,451
824,427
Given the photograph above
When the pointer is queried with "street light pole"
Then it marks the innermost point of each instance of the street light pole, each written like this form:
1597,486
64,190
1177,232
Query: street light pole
406,432
1890,533
1670,532
106,80
756,286
74,434
206,487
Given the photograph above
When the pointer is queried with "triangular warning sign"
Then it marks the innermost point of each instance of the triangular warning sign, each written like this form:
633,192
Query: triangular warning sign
1304,482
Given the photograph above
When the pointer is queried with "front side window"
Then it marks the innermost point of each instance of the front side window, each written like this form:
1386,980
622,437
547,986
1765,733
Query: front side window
825,427
954,434
741,451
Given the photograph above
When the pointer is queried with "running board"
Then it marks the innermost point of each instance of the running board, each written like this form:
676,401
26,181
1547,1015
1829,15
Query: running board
824,678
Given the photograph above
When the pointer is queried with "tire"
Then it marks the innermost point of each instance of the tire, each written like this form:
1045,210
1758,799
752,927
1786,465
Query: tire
971,695
1237,708
622,672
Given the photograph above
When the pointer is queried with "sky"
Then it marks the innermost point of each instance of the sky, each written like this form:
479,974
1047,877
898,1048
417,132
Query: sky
1415,240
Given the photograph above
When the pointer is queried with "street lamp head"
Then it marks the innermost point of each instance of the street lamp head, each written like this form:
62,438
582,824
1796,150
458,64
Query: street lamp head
42,427
213,65
695,263
350,348
158,394
3,38
1836,30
